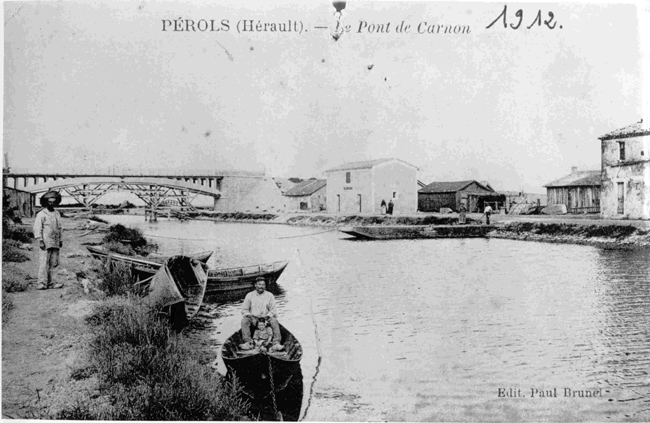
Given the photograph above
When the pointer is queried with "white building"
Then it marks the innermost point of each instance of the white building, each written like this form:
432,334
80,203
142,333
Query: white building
360,187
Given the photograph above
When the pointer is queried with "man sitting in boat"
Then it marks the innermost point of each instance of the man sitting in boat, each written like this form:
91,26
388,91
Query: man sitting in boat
259,304
263,336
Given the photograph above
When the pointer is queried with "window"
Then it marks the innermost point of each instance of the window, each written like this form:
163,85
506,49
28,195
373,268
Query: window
621,150
348,177
394,194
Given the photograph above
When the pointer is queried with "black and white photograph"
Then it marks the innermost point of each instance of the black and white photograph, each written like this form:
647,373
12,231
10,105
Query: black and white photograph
326,211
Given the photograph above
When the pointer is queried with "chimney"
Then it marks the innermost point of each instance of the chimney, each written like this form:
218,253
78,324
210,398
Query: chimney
574,170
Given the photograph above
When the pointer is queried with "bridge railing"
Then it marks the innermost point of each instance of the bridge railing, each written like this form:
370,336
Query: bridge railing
129,171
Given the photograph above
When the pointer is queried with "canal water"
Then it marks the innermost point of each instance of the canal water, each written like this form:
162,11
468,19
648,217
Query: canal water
442,330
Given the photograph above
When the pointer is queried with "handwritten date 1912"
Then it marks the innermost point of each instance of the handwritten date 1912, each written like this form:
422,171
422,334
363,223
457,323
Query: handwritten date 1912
520,16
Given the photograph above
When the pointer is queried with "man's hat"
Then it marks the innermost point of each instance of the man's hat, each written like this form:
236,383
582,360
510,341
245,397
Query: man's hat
50,194
260,278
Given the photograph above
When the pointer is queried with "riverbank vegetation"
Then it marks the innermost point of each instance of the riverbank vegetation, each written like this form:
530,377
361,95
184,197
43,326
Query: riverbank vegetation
128,241
144,369
574,233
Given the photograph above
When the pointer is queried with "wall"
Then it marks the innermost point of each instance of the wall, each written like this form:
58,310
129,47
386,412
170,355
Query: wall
249,194
574,197
360,183
24,202
432,202
398,177
633,172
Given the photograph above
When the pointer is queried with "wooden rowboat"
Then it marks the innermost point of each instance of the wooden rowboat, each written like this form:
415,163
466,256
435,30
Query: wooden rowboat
203,256
263,374
101,254
241,279
226,281
179,285
232,280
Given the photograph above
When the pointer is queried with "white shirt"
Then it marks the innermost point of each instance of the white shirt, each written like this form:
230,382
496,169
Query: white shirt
259,305
47,226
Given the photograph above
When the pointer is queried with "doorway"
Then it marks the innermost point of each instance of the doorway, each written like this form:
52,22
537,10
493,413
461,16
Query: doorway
621,197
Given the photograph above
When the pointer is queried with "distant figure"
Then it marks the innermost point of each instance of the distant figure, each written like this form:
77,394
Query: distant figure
263,336
487,212
48,232
259,304
389,208
462,218
383,207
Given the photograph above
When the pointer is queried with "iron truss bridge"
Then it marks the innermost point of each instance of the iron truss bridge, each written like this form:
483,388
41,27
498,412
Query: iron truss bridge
156,191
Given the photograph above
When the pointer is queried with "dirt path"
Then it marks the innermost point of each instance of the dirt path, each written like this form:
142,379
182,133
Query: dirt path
43,336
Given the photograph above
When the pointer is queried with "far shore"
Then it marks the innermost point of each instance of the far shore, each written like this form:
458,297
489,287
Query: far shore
587,229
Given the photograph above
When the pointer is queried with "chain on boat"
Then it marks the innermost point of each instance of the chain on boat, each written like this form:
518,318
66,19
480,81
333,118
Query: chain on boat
275,405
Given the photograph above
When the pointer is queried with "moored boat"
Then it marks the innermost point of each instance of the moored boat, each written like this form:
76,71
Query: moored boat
381,232
263,374
232,280
241,279
179,285
101,254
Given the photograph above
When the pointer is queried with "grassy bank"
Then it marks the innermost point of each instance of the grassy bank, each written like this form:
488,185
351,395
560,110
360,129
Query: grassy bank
602,233
146,371
143,369
325,219
574,233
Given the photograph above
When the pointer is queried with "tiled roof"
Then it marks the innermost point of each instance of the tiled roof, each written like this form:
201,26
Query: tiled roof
438,187
284,184
306,188
582,178
368,164
635,130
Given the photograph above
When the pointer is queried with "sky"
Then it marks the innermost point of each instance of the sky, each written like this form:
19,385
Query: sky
101,85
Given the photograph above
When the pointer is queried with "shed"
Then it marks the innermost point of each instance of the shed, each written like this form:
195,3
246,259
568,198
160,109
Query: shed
579,191
308,195
451,195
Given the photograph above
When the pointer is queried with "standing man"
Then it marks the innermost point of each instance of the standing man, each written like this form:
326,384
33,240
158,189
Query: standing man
487,212
462,214
259,304
389,209
48,232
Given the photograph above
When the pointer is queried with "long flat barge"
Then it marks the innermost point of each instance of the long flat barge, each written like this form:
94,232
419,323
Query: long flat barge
417,231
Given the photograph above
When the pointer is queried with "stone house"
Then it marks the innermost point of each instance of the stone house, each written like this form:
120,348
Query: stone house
625,172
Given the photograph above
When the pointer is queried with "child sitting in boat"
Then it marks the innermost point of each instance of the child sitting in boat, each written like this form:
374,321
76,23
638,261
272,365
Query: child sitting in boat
263,336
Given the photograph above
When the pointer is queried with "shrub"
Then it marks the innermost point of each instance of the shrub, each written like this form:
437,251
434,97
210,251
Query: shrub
12,282
150,372
118,247
131,237
7,305
11,252
609,231
17,233
115,278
